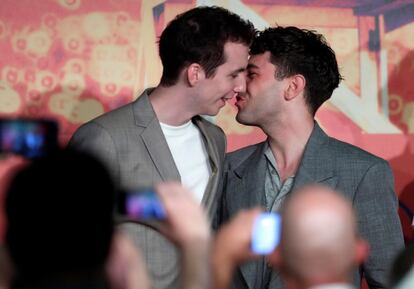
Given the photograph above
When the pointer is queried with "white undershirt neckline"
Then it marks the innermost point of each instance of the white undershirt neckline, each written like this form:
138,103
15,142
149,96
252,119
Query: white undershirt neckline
190,156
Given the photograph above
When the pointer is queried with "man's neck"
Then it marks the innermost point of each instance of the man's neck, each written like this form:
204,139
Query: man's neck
170,105
287,142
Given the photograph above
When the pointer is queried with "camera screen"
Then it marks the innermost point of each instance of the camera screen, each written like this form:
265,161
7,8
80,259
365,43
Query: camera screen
141,205
266,233
30,138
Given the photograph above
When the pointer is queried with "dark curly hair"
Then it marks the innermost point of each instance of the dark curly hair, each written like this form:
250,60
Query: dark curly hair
199,36
300,51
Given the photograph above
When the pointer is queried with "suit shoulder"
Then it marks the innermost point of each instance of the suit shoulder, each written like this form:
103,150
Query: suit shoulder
351,153
115,118
110,125
114,122
235,158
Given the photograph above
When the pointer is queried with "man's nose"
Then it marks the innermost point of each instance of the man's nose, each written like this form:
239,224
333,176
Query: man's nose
241,84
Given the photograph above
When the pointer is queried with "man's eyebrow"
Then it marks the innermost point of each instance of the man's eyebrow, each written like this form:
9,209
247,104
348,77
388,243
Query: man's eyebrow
250,65
241,69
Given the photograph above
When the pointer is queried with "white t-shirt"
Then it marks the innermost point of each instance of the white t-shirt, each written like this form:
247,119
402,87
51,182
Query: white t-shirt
190,156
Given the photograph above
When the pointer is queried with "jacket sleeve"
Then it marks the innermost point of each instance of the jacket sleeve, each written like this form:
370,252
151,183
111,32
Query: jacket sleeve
220,216
377,209
94,139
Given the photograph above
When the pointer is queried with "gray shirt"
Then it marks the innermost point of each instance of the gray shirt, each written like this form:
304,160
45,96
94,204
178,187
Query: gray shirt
275,190
275,194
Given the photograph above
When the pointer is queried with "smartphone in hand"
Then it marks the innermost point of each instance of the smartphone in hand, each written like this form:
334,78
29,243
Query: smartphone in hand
28,137
140,205
266,233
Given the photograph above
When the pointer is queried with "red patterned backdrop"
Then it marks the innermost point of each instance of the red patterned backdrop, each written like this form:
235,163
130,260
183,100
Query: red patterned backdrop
72,60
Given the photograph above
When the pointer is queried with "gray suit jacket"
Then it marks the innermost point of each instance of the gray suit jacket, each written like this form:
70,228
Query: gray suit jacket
130,142
363,178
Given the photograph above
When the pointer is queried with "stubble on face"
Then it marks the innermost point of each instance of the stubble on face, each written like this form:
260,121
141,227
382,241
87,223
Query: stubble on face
258,101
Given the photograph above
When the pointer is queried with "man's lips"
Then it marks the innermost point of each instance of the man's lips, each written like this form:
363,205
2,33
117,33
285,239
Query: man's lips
240,101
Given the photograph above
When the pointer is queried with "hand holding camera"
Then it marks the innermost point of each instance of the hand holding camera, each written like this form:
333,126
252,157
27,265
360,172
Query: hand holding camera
168,208
141,204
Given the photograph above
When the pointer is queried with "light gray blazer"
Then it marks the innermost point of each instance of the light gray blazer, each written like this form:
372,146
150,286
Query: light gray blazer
366,180
130,142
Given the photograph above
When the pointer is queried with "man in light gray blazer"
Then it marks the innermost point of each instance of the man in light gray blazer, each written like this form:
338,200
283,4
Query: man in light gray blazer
161,137
291,72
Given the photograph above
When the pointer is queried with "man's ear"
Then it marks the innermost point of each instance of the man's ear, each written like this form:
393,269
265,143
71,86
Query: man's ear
194,73
295,86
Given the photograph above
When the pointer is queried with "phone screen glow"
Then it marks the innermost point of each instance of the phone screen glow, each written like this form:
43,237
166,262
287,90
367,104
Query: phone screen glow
266,233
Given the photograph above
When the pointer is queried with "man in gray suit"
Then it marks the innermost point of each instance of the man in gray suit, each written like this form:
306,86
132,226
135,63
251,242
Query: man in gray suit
327,259
161,137
291,72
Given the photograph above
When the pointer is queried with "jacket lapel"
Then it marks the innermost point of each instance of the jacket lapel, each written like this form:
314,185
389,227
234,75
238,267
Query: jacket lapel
250,192
209,197
249,188
317,164
154,140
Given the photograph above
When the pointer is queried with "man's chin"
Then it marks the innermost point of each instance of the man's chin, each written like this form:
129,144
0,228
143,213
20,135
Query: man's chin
242,119
211,113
